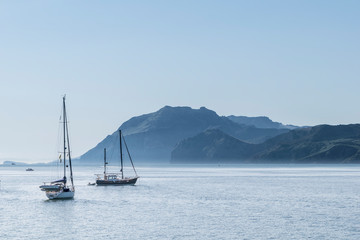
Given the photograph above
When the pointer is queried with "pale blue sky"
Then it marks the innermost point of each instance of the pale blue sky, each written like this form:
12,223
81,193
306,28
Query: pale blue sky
294,61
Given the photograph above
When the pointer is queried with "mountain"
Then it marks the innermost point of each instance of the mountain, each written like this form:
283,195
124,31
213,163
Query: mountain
152,137
14,163
260,122
322,143
319,144
211,146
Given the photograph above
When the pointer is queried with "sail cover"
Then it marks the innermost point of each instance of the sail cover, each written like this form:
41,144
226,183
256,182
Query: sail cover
63,180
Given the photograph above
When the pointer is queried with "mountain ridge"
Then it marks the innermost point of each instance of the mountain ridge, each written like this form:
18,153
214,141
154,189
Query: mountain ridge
153,136
260,122
318,144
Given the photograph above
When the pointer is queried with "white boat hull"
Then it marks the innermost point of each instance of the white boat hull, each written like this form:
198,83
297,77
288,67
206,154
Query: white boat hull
60,195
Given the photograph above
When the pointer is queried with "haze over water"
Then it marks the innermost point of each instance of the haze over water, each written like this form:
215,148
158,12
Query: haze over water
188,202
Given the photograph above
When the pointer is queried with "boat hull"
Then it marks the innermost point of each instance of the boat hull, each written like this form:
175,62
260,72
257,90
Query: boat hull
126,181
60,195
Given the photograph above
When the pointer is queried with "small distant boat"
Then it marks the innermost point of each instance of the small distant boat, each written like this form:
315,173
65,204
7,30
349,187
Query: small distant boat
117,178
13,164
29,169
59,189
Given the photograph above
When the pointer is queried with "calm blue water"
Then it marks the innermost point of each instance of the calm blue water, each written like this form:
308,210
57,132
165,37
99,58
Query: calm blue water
234,202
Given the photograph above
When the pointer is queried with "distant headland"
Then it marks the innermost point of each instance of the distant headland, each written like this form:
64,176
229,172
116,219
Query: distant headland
186,135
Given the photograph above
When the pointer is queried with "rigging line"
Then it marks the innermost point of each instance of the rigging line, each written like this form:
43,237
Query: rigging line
58,141
55,170
132,164
112,148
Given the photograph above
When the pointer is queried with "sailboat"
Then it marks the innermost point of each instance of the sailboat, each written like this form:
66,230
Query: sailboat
117,178
61,189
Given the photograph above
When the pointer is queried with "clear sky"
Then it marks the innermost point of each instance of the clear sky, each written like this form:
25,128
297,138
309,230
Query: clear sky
296,62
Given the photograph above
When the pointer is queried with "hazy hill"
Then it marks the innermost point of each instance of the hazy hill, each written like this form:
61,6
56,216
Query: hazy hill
260,122
323,143
14,163
210,147
319,144
153,136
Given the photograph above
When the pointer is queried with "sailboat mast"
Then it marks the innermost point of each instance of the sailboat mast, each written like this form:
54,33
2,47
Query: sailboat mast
104,162
64,126
121,157
69,150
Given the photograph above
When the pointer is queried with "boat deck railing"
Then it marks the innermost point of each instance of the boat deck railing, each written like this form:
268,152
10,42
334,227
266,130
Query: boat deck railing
119,173
110,175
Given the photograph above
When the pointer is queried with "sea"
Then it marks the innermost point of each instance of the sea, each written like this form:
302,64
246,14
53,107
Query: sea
187,202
